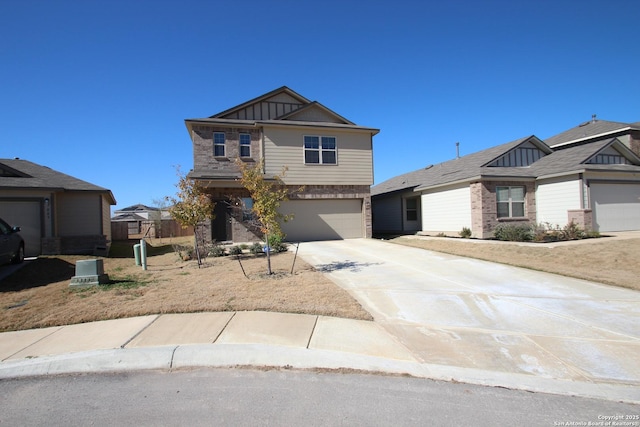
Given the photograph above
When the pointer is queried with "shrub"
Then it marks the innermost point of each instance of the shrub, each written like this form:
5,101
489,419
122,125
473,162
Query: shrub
572,231
235,250
217,251
244,246
465,233
513,232
276,244
256,248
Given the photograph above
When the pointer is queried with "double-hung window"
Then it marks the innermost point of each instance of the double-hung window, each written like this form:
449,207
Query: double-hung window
412,209
510,202
245,145
218,144
320,150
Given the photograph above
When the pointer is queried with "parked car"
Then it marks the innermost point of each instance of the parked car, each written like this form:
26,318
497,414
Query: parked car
11,244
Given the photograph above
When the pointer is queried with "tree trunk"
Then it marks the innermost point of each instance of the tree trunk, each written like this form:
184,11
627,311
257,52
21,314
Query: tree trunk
266,237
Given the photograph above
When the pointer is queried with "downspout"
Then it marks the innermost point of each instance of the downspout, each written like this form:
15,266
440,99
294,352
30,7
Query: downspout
582,192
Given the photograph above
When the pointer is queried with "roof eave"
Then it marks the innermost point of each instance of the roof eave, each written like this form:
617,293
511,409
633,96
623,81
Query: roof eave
586,138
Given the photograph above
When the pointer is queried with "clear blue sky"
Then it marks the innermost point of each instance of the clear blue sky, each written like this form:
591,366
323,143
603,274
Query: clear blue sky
99,89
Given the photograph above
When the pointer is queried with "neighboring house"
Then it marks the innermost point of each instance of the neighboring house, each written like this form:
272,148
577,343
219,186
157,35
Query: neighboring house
327,154
134,216
57,213
594,182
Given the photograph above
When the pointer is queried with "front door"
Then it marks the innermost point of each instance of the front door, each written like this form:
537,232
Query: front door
221,224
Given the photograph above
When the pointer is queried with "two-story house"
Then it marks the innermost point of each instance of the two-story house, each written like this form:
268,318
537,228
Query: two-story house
326,154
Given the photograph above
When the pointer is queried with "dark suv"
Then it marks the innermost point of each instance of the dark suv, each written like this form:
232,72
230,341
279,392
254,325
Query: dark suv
11,244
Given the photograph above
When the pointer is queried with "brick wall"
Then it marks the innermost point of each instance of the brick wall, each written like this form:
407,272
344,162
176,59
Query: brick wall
581,217
484,210
203,158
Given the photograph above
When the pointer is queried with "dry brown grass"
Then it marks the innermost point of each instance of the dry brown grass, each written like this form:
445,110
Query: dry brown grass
604,260
38,295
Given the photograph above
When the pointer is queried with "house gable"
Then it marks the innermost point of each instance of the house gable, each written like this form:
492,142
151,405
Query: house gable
269,106
9,172
523,155
614,153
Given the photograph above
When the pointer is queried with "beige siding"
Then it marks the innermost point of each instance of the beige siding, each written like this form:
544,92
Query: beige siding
79,214
284,147
448,210
106,217
554,198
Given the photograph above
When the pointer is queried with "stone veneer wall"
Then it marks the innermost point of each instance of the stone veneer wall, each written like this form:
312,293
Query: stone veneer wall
203,158
76,245
581,217
484,210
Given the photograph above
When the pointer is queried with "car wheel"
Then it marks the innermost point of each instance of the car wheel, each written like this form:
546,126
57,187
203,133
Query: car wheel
19,256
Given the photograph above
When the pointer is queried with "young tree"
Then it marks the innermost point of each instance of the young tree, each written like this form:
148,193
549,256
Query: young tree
191,206
266,196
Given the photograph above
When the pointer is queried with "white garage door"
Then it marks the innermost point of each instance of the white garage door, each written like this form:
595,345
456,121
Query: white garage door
323,219
616,207
26,215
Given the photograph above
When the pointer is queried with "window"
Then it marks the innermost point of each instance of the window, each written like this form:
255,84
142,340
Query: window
510,202
218,144
245,145
412,209
247,209
320,150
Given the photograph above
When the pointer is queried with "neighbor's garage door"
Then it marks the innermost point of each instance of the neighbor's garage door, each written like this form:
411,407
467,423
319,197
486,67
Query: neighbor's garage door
323,219
616,207
26,215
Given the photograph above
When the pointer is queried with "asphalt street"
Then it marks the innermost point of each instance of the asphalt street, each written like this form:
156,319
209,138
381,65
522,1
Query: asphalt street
280,397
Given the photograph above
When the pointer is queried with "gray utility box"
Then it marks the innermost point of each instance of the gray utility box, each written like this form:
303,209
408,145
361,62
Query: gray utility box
89,272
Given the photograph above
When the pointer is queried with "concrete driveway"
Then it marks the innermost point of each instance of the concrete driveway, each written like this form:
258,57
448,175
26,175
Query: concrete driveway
466,313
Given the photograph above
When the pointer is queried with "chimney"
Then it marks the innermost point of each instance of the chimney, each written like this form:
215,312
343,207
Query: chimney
593,118
457,150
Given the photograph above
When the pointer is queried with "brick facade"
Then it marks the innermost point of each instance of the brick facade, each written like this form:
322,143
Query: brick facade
484,209
583,218
203,158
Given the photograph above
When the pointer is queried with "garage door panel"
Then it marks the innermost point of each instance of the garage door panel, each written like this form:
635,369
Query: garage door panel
26,215
323,219
616,207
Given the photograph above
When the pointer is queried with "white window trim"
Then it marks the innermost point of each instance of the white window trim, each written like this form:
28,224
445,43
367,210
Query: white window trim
240,145
319,150
223,145
510,201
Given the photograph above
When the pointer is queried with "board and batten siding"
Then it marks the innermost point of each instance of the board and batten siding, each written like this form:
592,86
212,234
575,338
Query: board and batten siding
447,210
554,198
79,214
284,147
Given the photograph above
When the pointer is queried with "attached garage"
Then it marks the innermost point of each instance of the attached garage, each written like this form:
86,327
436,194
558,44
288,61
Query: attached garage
26,215
616,207
323,219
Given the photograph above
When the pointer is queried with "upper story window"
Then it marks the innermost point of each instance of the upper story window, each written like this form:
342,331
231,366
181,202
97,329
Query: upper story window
510,202
218,144
320,150
245,145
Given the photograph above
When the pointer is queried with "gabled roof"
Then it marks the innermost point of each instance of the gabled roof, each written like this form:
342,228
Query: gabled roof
471,166
280,107
593,129
574,159
301,100
476,166
31,176
138,208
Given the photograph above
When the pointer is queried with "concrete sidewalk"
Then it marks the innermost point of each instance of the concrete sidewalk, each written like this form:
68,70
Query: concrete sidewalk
257,339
